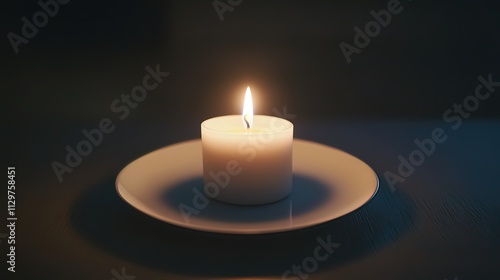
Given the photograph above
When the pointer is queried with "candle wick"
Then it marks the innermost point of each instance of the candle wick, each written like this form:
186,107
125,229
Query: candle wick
246,122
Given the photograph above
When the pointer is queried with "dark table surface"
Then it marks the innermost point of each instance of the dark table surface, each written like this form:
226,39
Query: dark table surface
442,222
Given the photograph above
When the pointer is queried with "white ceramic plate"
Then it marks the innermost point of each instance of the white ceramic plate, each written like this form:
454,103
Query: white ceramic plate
328,183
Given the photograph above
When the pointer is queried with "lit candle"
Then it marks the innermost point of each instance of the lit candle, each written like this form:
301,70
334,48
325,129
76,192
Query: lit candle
247,159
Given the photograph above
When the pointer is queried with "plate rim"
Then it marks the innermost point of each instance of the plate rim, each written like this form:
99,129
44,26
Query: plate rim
238,231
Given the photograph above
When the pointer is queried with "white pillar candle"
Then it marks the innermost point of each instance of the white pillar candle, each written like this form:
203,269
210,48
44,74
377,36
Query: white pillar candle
247,159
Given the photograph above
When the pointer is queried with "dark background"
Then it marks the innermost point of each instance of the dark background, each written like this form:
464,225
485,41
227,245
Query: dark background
426,59
441,223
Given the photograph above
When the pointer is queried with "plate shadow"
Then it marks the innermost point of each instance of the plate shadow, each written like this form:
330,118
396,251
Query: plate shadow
103,219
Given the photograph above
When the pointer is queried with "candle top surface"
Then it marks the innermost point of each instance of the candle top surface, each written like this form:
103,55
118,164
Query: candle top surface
232,124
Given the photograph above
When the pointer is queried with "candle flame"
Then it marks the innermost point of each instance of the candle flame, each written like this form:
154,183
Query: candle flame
248,109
